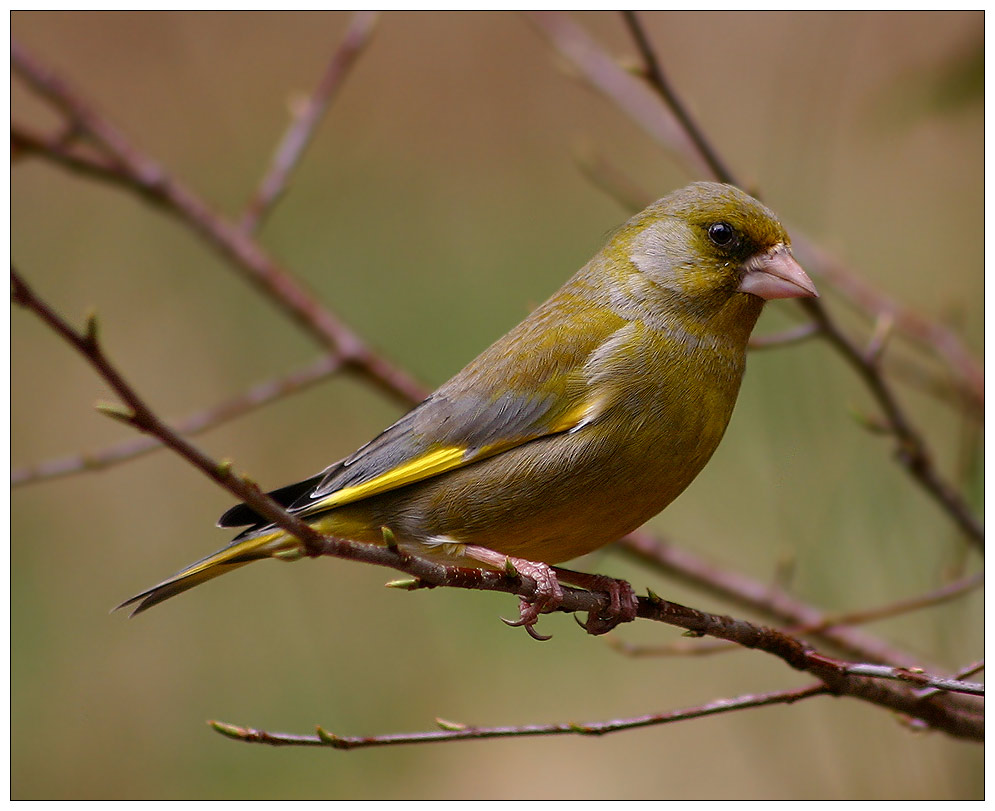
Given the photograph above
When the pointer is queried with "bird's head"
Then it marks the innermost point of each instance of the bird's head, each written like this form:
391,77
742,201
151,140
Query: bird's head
707,243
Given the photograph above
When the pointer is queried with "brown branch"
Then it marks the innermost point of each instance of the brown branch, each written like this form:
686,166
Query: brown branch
764,598
142,174
774,601
451,731
954,714
632,95
25,142
963,673
655,76
458,732
137,414
306,116
259,395
924,333
938,596
911,452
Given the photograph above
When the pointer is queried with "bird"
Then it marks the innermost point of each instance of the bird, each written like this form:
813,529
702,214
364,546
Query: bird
570,431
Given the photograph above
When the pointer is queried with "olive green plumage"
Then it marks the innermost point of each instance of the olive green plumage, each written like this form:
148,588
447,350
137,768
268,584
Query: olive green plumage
584,421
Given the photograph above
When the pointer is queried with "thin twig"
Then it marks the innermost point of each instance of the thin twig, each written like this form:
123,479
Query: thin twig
944,593
457,732
25,142
259,395
911,451
306,115
634,96
917,677
136,413
924,333
656,77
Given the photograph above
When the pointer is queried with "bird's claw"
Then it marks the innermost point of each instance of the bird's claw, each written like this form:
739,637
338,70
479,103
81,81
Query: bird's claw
527,618
622,600
548,595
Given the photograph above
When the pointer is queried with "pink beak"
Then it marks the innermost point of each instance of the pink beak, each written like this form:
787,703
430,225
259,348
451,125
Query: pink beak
776,274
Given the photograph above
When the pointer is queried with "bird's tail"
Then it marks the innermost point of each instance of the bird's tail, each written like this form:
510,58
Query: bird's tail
275,543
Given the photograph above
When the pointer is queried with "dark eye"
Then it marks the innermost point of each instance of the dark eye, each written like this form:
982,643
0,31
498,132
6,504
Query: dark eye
721,233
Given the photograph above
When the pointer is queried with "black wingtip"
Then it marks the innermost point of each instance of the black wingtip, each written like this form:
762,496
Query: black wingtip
242,515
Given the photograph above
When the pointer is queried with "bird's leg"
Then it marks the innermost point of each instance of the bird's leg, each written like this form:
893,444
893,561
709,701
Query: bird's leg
548,594
622,601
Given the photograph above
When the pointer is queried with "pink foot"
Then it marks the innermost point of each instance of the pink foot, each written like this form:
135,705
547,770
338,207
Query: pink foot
622,601
548,594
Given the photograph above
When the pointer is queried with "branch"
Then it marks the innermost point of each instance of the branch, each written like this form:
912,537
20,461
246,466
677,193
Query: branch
137,414
655,76
259,395
911,452
773,604
917,677
633,96
768,600
306,116
451,731
137,171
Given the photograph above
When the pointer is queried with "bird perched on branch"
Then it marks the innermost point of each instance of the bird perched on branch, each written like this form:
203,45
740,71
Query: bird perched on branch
576,427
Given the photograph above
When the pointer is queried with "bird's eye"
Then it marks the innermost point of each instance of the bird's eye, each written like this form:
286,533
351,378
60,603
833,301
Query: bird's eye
721,233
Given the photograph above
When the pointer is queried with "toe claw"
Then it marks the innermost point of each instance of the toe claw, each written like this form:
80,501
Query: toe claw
527,619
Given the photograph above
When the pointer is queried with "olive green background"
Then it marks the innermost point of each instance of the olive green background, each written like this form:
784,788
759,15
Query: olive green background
439,202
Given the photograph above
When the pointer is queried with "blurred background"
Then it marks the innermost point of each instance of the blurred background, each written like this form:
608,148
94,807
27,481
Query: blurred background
440,201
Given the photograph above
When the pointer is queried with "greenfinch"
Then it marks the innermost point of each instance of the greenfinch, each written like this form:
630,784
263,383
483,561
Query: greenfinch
572,430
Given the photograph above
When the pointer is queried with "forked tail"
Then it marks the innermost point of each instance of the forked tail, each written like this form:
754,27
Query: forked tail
274,544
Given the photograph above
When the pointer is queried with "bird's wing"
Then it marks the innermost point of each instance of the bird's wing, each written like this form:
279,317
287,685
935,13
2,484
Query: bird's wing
499,402
438,436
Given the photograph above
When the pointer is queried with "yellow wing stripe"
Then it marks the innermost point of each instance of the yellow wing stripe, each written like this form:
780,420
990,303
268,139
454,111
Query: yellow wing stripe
423,467
440,461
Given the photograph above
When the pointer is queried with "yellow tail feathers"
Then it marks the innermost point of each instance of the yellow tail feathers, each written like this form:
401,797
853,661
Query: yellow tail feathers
274,544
